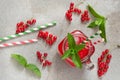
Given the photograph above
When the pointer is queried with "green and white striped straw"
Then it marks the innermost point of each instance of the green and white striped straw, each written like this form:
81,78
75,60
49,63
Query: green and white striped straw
28,31
94,35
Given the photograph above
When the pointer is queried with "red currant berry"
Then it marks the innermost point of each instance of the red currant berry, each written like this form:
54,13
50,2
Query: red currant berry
25,26
103,53
94,43
87,18
70,11
21,29
69,15
75,10
45,54
46,35
50,35
109,56
85,12
54,38
21,23
107,51
18,25
49,63
102,57
70,19
101,65
39,55
82,19
108,61
78,11
40,34
51,42
82,15
99,60
100,73
72,4
29,22
33,21
17,31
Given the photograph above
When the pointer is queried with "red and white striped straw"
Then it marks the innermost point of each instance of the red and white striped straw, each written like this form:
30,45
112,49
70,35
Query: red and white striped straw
18,43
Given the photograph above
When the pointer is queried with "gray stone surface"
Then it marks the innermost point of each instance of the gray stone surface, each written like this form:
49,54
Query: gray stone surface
13,11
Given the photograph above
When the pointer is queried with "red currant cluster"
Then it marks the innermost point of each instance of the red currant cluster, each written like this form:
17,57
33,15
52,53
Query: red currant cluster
72,9
85,16
49,38
21,26
42,59
103,62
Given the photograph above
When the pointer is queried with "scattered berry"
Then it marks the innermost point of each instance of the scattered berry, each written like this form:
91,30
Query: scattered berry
42,58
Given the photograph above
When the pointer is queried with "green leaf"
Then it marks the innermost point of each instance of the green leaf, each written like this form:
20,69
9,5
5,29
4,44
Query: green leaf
102,28
71,41
94,13
95,23
34,69
77,61
79,47
66,54
20,59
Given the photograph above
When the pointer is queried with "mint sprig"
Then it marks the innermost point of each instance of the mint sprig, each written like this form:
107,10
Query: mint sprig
21,60
73,50
98,22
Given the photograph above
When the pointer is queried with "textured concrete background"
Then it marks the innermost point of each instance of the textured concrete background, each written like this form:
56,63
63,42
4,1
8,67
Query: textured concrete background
13,11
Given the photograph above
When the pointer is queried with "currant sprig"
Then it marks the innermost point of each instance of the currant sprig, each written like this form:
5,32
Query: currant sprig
72,52
103,62
42,58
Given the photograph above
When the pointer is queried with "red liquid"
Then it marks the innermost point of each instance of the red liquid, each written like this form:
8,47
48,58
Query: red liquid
84,54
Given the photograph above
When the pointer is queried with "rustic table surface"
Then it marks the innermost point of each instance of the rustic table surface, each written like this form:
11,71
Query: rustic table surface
13,11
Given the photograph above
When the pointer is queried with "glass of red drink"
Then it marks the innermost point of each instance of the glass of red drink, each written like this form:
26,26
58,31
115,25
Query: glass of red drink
84,54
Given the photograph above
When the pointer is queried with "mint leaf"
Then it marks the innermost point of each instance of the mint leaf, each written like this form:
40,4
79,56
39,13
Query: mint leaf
100,22
71,41
79,47
34,69
72,52
95,23
20,59
77,61
66,54
94,13
102,28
